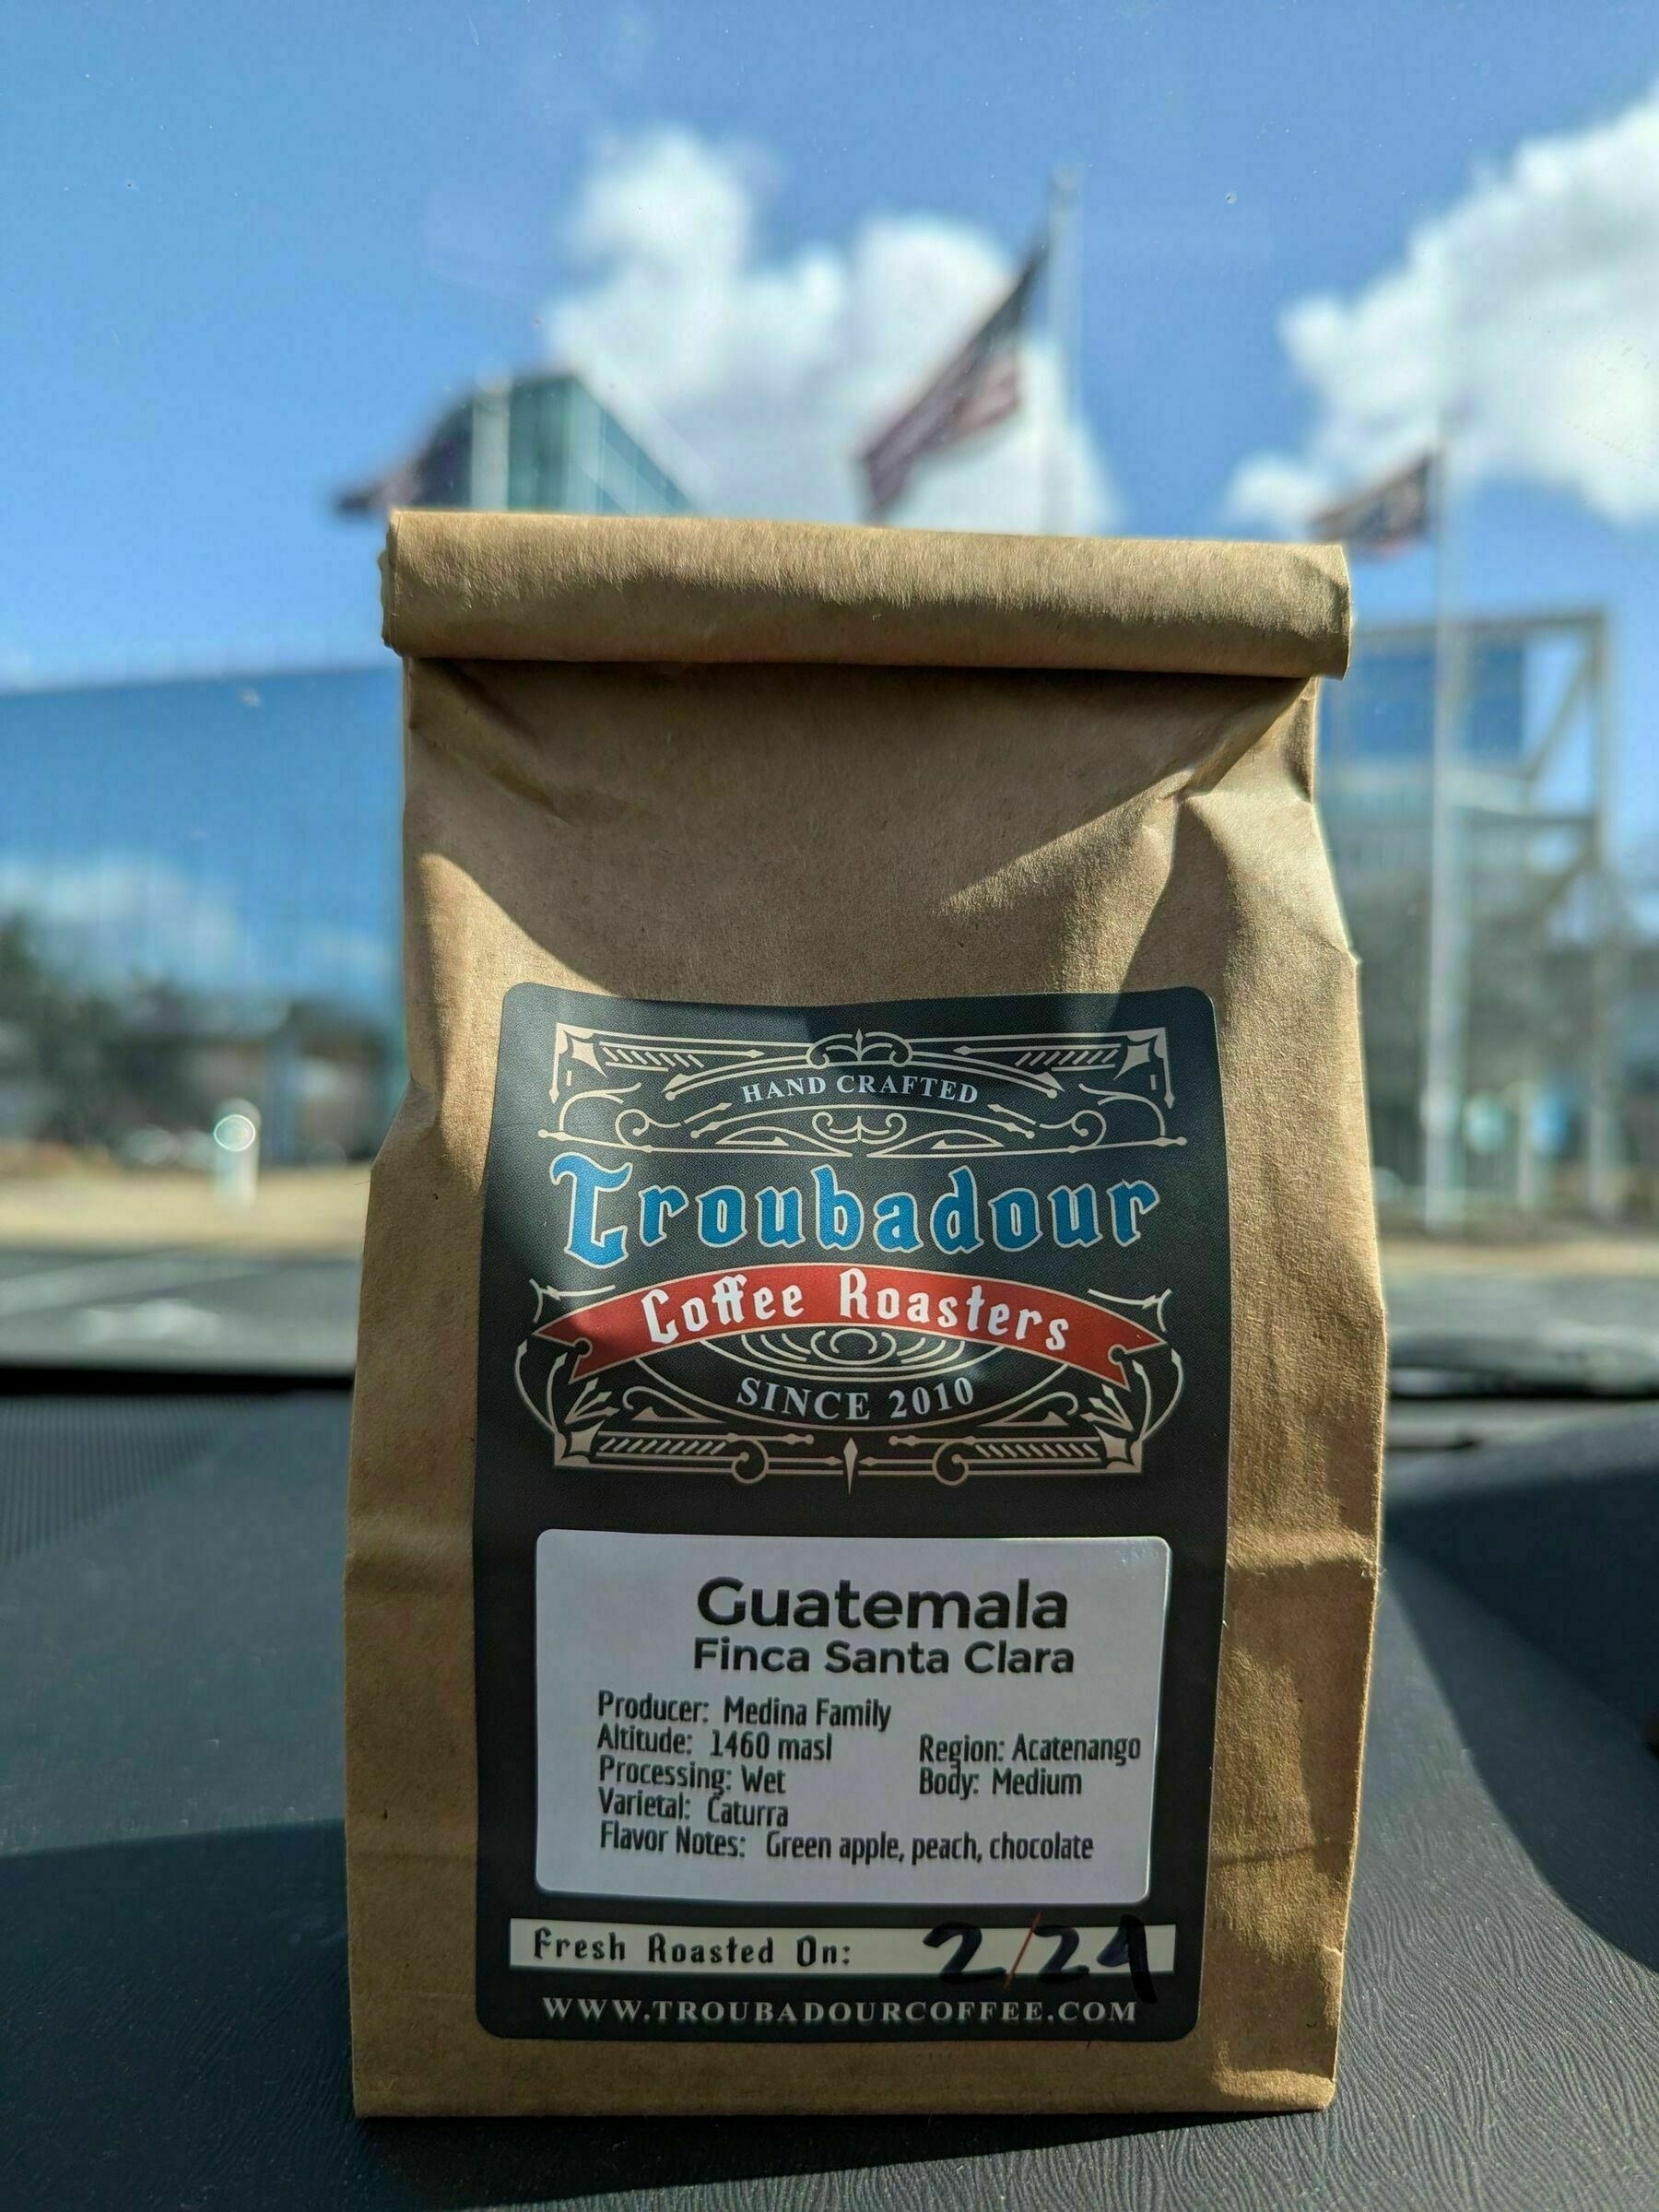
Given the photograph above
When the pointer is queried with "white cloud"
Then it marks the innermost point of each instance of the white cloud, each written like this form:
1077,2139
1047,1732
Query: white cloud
1527,314
774,370
117,915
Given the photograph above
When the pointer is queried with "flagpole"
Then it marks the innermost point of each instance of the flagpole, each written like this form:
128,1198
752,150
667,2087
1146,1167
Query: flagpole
1065,320
1444,1010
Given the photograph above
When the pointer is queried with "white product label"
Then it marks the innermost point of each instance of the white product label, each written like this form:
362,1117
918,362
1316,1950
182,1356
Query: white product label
801,1720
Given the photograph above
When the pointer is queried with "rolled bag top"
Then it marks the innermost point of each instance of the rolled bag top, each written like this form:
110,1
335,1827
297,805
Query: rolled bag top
561,587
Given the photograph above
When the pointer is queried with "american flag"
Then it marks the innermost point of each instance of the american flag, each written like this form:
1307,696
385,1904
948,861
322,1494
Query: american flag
977,387
1387,516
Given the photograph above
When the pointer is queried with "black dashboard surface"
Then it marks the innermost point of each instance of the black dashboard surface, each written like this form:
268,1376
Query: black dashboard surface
172,1995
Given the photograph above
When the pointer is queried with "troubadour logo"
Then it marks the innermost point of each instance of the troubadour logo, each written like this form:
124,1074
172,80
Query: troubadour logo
857,1255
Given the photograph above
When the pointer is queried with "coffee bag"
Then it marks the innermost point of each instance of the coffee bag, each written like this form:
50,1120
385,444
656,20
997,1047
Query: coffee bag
864,1477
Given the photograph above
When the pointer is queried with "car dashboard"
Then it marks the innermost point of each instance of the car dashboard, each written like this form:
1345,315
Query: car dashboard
171,1887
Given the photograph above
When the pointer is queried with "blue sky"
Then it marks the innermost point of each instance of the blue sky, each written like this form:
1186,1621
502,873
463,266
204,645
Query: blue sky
251,253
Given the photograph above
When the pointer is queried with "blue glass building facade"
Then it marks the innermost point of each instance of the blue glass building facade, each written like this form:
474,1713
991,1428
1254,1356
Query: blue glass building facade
203,872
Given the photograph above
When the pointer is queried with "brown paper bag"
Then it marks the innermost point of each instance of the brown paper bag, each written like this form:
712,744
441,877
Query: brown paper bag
864,1480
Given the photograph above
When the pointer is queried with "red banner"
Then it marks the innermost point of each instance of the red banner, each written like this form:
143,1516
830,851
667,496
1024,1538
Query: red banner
732,1303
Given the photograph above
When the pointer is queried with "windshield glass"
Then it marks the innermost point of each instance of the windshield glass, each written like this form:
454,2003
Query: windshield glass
1390,279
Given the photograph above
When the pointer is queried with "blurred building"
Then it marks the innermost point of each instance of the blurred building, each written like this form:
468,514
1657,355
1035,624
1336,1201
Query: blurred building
532,442
199,877
199,900
199,880
1538,959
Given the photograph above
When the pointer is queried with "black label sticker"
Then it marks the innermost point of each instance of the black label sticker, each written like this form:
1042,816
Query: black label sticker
851,1517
